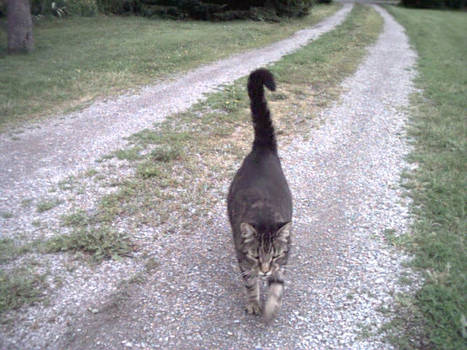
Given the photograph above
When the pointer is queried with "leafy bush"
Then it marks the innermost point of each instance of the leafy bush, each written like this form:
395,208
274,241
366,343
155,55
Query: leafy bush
2,8
215,10
119,7
86,8
267,10
61,8
458,4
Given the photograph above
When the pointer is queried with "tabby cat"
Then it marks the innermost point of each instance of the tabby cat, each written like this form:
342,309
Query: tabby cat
260,206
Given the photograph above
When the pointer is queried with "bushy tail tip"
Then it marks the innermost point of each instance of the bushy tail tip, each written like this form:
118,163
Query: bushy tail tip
257,79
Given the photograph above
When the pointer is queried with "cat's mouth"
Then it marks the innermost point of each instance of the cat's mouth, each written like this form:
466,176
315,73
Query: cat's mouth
264,274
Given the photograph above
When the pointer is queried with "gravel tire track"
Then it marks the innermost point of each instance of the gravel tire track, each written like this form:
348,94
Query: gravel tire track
345,178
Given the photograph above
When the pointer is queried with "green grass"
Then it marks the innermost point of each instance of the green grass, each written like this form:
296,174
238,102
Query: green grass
98,243
79,59
128,154
9,249
47,204
438,186
76,219
6,215
66,184
20,287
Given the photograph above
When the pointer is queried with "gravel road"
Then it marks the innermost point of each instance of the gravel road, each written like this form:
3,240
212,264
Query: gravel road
345,180
47,152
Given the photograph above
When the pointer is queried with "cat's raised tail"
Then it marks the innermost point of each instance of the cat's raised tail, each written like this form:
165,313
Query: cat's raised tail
264,130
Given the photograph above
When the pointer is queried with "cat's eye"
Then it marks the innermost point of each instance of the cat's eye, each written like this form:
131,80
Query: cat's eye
253,256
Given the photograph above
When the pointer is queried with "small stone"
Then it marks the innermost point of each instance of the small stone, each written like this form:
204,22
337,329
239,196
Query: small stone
127,343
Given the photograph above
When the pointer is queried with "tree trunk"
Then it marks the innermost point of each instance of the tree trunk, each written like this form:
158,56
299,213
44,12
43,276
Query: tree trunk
19,26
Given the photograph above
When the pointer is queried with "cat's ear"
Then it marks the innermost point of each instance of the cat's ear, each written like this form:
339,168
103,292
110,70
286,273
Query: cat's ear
248,231
283,231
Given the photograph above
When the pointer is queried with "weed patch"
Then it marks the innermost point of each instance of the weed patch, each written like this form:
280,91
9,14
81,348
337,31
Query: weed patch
20,287
67,184
6,215
76,219
48,204
148,169
128,154
10,249
99,243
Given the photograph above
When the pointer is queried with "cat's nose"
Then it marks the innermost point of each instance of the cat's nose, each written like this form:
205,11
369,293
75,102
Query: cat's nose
264,268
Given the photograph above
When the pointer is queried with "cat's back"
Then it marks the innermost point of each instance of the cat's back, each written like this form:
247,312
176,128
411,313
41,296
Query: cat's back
261,179
259,192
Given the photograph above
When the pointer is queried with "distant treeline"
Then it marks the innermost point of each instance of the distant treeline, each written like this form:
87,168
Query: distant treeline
214,10
455,4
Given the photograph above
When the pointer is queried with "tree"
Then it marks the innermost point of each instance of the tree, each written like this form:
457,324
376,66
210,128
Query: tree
19,26
220,10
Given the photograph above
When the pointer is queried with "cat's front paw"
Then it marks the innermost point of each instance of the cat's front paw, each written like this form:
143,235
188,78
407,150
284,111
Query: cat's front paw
253,308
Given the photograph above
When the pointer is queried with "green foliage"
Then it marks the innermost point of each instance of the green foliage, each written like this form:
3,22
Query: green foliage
19,287
48,204
292,8
458,4
100,243
148,169
76,219
2,8
9,249
218,10
128,154
167,154
221,10
119,7
61,8
6,215
86,8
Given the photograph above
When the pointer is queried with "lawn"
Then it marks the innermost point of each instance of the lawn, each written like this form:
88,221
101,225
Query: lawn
79,59
438,186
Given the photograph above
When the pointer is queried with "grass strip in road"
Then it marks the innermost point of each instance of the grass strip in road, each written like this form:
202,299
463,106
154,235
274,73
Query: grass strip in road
189,153
79,59
438,185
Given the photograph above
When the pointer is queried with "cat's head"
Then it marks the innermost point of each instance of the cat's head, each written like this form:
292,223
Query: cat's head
266,247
